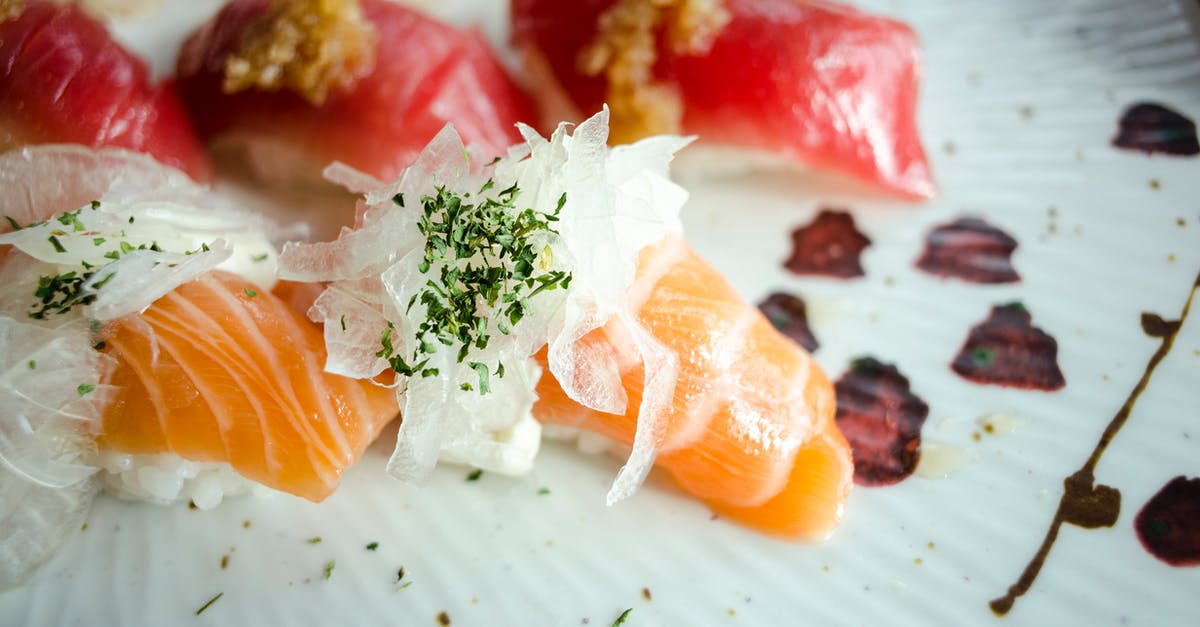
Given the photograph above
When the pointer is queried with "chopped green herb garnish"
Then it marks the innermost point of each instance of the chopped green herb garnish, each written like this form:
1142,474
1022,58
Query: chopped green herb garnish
259,258
59,293
85,388
32,364
400,574
983,356
485,259
543,491
96,241
95,205
343,322
58,247
404,585
16,226
101,345
622,618
210,602
112,254
126,247
329,569
250,293
131,219
71,219
372,546
475,474
314,540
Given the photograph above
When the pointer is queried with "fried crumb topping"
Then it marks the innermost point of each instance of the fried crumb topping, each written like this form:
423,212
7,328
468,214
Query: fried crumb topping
10,9
310,47
626,48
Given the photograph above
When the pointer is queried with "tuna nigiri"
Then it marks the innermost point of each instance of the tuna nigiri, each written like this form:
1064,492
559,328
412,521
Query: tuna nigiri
151,348
63,79
811,81
469,280
299,84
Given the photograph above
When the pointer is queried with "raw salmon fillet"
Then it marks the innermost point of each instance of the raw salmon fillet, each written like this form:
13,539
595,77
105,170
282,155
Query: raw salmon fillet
751,430
812,81
425,74
217,371
63,79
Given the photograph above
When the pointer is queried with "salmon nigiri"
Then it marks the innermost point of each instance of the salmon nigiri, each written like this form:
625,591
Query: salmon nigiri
301,83
63,79
554,284
141,340
750,429
810,81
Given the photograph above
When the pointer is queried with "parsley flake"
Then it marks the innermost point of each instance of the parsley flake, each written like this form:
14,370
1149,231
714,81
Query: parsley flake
250,293
32,364
486,258
372,546
329,569
259,258
622,618
58,247
85,388
314,540
543,491
475,474
16,226
343,323
209,603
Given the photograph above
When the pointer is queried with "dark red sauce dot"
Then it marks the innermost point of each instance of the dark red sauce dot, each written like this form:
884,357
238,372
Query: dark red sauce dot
1151,128
881,418
788,314
970,249
1006,349
1169,523
830,245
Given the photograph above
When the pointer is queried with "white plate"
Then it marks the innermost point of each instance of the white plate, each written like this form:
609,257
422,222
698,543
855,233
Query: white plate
1028,95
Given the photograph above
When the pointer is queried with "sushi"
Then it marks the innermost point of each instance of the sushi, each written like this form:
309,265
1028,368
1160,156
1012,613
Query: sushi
296,85
553,285
63,79
809,82
145,352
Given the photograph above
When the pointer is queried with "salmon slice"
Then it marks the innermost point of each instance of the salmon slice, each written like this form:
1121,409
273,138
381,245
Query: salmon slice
425,74
217,371
751,430
63,79
815,82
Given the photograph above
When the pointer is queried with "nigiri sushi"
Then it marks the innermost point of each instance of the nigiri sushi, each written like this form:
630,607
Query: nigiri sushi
144,350
63,79
471,278
806,81
298,84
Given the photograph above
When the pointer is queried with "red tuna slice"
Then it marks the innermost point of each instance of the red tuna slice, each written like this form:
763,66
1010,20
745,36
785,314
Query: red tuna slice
63,79
425,75
815,82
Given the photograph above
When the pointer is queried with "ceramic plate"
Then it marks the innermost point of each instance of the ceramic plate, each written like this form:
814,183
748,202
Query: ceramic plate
1020,105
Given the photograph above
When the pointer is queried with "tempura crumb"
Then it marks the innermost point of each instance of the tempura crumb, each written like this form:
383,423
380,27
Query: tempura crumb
310,47
626,49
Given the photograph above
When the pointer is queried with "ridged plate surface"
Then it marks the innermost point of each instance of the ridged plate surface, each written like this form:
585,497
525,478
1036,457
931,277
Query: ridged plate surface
1019,104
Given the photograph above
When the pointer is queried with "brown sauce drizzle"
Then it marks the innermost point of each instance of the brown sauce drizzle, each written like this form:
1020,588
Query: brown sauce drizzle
1084,503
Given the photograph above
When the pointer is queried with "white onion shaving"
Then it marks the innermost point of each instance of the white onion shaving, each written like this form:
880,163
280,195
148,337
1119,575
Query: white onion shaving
618,202
52,390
